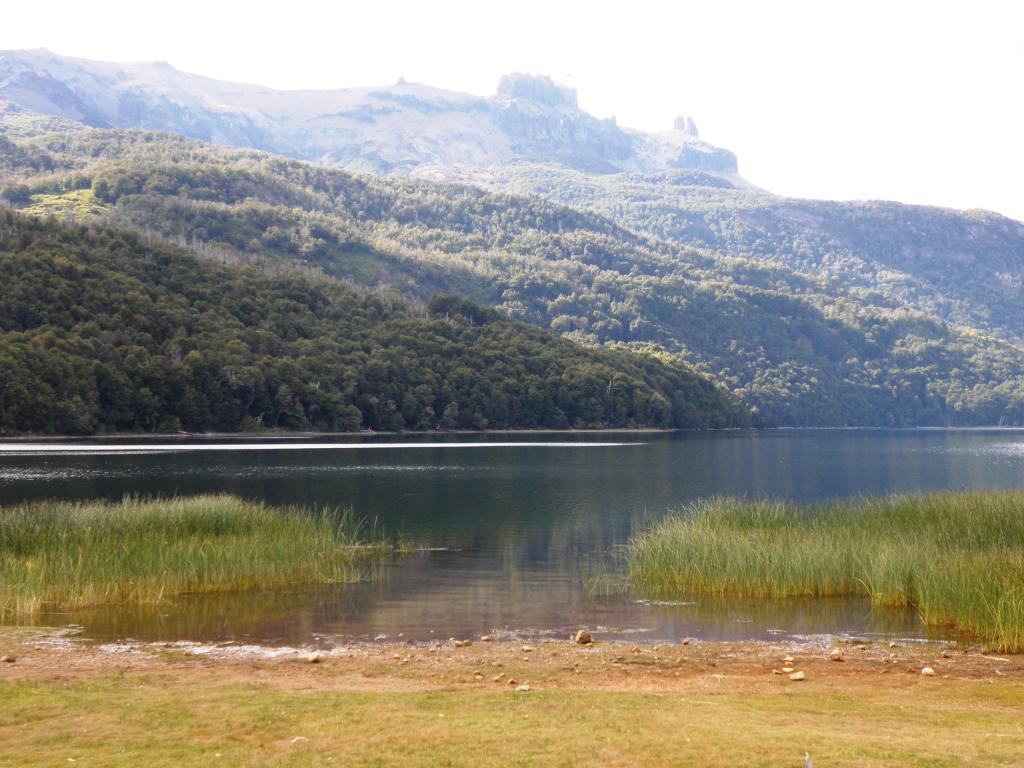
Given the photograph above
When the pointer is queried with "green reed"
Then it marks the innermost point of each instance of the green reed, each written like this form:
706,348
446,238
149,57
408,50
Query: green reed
957,558
57,555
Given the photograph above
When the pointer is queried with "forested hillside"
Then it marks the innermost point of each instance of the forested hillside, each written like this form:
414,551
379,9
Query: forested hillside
963,267
801,348
103,330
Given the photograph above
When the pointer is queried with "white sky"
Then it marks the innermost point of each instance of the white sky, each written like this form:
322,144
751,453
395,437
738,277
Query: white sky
901,100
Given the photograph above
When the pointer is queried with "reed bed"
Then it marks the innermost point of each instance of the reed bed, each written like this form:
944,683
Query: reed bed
66,555
957,558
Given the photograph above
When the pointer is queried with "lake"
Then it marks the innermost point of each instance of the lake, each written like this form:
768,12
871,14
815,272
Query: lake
522,533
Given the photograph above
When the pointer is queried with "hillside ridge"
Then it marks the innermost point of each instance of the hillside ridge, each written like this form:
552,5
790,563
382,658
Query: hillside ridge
386,129
802,349
104,330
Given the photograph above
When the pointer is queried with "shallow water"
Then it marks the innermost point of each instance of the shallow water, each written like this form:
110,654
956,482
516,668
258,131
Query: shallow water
521,528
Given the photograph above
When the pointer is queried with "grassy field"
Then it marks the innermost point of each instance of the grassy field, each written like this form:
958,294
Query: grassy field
64,555
79,204
958,558
709,705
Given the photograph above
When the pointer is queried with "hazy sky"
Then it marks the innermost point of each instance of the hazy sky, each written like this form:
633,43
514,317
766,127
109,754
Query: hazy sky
912,101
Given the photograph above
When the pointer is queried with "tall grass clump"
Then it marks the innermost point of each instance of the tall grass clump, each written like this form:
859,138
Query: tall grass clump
957,558
64,555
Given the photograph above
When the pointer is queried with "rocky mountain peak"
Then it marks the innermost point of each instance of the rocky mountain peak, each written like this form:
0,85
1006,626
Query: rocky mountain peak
393,130
537,88
686,125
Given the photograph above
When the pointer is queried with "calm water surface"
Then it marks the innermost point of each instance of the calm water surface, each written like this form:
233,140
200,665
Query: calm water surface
520,527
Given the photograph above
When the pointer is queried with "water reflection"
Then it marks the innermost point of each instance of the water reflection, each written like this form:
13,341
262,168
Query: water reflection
523,525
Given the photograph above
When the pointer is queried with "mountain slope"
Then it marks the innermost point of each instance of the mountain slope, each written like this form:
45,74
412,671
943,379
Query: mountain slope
963,267
101,330
802,350
388,129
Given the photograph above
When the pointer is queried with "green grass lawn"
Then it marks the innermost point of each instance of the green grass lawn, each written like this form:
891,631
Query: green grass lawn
159,720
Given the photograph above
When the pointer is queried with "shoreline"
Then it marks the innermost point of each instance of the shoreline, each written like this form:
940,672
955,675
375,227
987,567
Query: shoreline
280,435
822,657
305,435
505,703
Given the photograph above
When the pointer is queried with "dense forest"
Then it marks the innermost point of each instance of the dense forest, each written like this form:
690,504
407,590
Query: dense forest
800,348
104,330
963,267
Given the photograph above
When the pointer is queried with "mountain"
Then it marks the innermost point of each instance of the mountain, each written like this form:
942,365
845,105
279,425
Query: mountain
801,349
965,268
814,313
391,129
103,330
